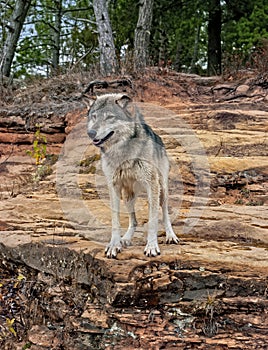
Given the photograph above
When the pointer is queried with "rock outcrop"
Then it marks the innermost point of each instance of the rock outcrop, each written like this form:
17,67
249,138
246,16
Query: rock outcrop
209,292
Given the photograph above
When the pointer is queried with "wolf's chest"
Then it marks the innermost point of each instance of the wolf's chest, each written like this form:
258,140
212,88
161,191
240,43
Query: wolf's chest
126,177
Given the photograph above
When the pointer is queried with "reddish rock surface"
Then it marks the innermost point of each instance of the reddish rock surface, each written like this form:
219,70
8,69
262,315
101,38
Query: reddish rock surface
58,290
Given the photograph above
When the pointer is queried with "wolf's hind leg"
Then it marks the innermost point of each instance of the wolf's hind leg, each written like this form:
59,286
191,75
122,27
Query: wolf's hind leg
170,235
153,190
130,205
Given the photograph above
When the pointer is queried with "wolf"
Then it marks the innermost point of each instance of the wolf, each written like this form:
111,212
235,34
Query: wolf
133,157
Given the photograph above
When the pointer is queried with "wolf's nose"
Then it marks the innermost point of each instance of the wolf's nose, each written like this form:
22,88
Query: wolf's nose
92,133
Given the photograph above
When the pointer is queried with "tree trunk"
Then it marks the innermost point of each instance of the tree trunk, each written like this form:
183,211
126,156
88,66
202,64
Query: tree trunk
163,42
56,37
193,68
177,62
214,38
15,26
142,34
108,61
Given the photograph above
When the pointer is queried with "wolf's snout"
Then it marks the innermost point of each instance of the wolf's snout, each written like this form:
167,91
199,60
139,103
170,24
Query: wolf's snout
92,133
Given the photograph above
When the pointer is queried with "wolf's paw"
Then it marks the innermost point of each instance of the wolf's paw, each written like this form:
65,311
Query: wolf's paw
126,239
152,249
125,242
113,249
171,238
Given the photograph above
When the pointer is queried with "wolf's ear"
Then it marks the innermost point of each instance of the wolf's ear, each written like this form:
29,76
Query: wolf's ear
89,101
123,101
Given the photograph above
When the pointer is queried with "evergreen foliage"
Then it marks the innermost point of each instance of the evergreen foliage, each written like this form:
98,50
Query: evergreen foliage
61,35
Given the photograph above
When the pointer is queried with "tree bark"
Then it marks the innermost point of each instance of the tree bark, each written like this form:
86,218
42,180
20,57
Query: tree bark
15,26
142,35
193,68
56,37
108,61
214,38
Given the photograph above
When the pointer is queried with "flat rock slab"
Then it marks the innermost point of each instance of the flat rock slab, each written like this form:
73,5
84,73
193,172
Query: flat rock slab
210,291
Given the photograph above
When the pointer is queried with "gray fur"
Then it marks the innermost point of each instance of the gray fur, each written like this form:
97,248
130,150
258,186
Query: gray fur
133,157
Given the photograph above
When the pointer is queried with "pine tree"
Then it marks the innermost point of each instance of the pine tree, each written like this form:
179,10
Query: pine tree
16,23
108,61
142,34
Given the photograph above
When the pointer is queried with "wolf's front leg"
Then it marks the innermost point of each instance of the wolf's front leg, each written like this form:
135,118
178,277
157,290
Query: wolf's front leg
115,245
130,205
152,248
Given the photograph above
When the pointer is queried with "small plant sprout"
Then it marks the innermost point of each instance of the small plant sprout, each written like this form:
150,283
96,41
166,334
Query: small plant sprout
39,151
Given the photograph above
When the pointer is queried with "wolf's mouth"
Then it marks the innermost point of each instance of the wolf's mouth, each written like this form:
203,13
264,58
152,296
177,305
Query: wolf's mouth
98,142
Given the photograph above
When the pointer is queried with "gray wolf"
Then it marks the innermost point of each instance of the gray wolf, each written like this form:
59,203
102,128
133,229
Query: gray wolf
132,157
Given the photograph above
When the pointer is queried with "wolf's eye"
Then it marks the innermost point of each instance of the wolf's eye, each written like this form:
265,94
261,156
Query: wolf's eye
110,117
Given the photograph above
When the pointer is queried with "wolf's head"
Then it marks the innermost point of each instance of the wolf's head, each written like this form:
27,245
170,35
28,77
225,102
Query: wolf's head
109,119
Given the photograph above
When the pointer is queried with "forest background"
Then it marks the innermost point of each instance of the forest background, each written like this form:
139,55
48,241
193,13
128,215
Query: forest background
41,38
